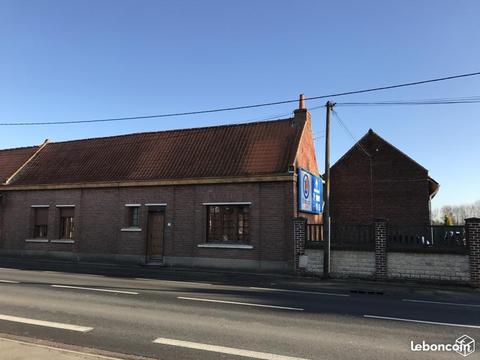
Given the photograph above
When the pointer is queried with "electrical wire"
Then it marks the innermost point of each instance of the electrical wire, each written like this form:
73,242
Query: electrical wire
444,101
243,107
355,140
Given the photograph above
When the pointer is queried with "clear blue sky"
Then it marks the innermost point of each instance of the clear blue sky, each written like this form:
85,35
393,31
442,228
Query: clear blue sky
73,60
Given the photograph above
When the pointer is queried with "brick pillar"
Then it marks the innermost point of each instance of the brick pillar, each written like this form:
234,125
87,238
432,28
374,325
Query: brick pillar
380,233
472,233
299,225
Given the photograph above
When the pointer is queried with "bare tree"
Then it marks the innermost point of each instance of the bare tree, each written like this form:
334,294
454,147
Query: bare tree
455,213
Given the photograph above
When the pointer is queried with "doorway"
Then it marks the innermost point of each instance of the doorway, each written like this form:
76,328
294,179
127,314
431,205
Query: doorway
155,236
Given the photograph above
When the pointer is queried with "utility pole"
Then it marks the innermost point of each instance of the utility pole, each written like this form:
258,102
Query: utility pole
326,195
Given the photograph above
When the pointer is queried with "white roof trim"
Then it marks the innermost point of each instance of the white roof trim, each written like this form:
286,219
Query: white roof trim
159,204
133,205
40,206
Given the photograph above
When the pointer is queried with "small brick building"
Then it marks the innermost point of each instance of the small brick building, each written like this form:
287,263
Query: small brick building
220,196
374,179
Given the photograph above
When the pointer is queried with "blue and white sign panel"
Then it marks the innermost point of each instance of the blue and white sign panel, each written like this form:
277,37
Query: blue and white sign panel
310,192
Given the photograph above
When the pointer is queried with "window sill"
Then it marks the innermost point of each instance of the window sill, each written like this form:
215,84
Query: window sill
36,240
63,241
225,246
132,229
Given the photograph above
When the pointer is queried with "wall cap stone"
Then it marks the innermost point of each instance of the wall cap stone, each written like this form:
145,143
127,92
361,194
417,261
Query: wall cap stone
472,220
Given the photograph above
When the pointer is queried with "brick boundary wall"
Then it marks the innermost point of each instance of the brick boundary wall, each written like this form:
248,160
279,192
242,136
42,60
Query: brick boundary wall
472,233
380,233
299,236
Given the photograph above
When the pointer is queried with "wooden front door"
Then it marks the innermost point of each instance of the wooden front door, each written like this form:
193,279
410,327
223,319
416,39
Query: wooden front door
155,235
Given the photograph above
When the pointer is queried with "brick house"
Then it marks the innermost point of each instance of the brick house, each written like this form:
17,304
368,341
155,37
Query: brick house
374,179
221,196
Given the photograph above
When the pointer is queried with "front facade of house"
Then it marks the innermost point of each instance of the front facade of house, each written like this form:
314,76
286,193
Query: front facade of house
217,197
375,180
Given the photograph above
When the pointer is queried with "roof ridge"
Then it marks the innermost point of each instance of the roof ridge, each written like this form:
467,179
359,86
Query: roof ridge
20,148
372,132
397,149
175,130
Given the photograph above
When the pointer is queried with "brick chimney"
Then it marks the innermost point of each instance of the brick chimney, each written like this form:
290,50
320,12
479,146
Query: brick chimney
301,115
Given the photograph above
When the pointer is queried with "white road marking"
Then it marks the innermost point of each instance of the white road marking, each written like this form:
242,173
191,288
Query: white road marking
240,303
9,282
45,323
440,302
60,349
95,289
298,291
224,350
421,321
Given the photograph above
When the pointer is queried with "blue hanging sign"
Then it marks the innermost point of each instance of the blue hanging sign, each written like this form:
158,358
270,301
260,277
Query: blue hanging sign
310,192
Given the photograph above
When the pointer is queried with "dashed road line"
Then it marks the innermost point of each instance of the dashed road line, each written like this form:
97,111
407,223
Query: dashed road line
95,289
440,303
421,321
299,291
44,323
240,303
224,349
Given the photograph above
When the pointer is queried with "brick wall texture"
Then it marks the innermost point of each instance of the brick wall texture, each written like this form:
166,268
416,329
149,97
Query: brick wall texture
472,230
100,214
380,228
386,184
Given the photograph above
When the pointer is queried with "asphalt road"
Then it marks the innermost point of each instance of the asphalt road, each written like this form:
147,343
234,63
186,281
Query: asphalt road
176,319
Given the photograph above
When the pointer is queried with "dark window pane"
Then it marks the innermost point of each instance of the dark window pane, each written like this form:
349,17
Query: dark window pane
133,216
67,223
227,223
41,216
40,226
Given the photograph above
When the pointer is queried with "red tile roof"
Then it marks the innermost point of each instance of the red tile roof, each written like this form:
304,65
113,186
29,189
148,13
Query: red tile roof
12,159
223,151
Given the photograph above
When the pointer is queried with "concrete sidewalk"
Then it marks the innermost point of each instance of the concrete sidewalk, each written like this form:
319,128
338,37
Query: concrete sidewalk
12,349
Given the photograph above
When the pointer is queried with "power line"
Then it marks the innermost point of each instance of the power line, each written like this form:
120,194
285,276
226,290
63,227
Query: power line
355,140
243,107
444,101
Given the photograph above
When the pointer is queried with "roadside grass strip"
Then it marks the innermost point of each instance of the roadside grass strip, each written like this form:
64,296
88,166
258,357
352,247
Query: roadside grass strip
95,289
240,303
44,323
421,321
224,350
